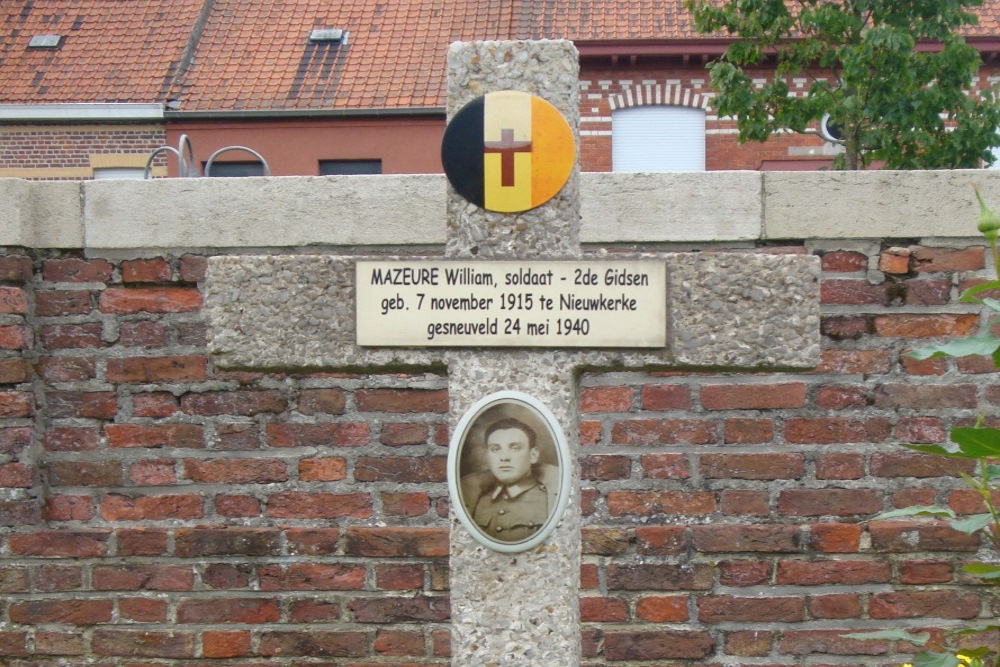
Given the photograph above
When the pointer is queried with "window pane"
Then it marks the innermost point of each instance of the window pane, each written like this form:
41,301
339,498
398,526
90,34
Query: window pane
118,172
235,169
346,167
658,138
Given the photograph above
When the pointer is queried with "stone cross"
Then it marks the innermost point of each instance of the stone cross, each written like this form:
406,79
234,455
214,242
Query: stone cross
725,310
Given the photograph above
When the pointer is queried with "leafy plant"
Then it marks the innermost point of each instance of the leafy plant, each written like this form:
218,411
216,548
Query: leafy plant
981,444
894,100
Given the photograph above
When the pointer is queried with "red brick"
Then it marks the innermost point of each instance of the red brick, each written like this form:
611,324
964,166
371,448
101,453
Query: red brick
227,576
603,610
313,644
968,501
843,572
932,366
401,469
155,270
842,605
15,337
126,301
62,369
399,577
870,362
16,268
745,502
396,542
657,645
602,541
742,573
920,430
143,578
154,404
312,541
158,472
728,608
142,610
236,471
60,544
192,268
186,436
591,432
237,506
804,642
55,578
87,404
14,440
924,604
830,430
19,512
666,397
664,432
844,328
421,608
402,400
401,435
911,464
55,303
843,261
313,611
13,300
925,326
657,540
852,293
841,397
327,434
606,399
589,578
143,643
915,536
840,466
753,397
922,572
395,643
142,334
142,542
723,538
406,504
74,270
116,507
298,505
71,336
604,468
158,369
71,612
752,466
69,508
662,608
908,497
58,643
646,503
748,431
191,542
312,577
313,401
663,466
927,292
948,259
84,473
237,436
222,644
327,469
13,580
16,476
228,610
829,502
974,365
925,396
895,260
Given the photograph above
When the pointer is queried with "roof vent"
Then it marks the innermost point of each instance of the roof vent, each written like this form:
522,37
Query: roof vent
328,35
45,42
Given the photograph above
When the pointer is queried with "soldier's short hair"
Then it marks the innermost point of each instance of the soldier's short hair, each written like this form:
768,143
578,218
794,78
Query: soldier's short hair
511,422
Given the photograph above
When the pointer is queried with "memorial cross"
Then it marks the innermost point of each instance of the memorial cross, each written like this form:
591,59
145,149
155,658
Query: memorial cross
507,147
728,310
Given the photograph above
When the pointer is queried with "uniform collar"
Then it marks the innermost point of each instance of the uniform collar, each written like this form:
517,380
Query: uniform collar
516,489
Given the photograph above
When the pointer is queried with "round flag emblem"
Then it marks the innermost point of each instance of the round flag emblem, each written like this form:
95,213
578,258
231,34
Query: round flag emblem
508,151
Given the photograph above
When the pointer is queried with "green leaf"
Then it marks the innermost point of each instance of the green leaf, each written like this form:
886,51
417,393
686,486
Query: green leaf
950,450
969,295
977,442
972,524
993,304
983,571
928,659
918,639
916,510
963,347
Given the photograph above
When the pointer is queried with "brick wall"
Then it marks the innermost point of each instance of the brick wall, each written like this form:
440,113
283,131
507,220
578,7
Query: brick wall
158,511
46,152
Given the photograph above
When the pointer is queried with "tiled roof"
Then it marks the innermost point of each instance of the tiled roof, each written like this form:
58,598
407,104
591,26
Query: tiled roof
255,55
112,51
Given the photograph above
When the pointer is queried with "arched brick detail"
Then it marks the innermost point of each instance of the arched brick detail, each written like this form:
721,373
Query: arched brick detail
661,94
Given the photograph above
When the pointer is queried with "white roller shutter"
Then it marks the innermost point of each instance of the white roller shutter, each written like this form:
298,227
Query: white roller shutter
658,138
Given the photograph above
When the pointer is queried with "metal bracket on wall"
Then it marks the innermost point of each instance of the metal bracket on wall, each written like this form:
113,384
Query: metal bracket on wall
187,168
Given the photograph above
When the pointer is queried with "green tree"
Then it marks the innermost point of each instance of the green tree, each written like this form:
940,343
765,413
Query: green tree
894,76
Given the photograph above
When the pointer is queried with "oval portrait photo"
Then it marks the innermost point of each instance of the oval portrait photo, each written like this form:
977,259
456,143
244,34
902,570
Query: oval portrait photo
507,471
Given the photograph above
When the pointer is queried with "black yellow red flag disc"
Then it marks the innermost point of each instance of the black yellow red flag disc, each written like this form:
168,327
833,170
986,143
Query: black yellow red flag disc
508,151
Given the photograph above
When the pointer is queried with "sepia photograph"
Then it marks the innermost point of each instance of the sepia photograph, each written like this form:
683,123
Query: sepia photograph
507,471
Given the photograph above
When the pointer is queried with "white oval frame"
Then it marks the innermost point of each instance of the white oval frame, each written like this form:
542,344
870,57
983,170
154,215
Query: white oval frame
456,447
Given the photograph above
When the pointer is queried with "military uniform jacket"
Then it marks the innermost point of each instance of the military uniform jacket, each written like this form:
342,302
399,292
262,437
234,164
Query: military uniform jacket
512,513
